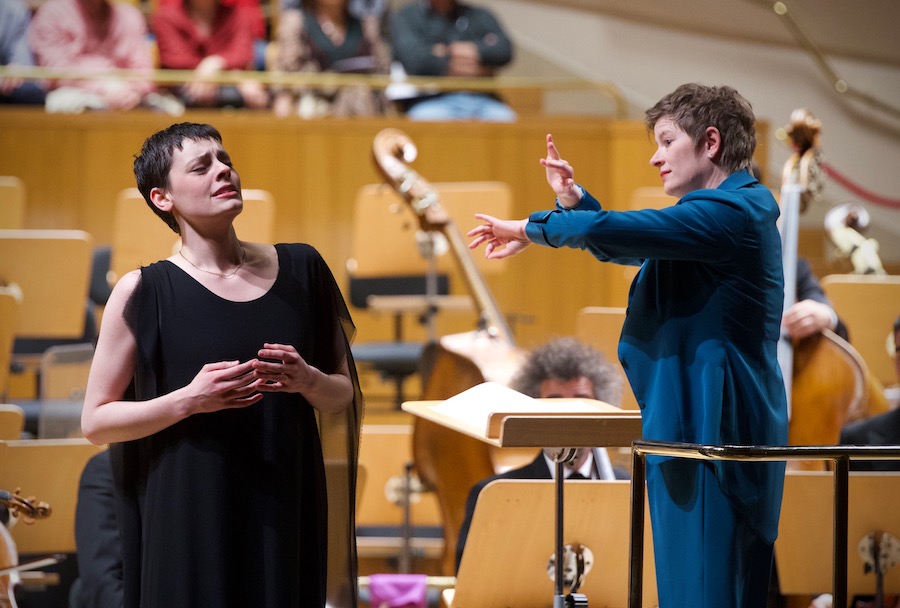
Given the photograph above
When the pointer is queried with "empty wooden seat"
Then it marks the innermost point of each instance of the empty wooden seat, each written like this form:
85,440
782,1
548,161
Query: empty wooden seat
52,268
12,203
601,327
12,421
868,305
10,300
48,470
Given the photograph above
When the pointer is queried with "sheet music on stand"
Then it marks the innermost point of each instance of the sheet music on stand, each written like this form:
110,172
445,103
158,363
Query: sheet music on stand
503,417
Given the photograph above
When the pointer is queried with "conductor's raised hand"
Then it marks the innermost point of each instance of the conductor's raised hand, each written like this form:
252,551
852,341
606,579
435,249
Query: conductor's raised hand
283,370
503,238
560,176
224,385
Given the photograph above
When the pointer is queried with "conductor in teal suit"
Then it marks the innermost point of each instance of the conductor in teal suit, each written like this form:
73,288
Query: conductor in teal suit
699,340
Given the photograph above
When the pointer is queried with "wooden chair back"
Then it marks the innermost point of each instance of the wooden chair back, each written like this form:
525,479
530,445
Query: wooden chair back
141,238
64,371
53,270
804,550
12,421
512,538
12,203
384,224
384,451
50,471
868,305
10,300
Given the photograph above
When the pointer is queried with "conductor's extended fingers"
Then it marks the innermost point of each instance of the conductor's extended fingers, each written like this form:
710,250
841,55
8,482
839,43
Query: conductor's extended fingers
483,232
478,230
478,241
487,219
497,251
552,152
557,163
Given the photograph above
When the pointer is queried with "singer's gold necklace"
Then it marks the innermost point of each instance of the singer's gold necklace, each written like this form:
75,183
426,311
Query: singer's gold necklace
213,272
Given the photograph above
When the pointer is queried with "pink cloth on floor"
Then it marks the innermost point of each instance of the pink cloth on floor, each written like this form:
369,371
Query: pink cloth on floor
397,591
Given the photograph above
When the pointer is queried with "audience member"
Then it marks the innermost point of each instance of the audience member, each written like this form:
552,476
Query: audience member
561,368
14,51
94,36
254,13
450,38
209,37
326,36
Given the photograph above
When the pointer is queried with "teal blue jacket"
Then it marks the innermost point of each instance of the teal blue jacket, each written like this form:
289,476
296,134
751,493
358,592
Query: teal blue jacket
704,314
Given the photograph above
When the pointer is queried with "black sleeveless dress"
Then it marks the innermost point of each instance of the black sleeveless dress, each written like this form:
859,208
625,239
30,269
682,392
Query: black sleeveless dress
230,508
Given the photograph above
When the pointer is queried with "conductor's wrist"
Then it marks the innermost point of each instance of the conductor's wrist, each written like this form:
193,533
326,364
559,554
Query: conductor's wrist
572,198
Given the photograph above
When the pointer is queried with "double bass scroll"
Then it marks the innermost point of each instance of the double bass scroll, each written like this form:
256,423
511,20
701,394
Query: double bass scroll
392,149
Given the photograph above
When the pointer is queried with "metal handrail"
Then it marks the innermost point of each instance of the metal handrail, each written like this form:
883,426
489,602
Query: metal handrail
840,455
326,80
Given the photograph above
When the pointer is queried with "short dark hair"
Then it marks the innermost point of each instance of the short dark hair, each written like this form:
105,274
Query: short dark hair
153,163
567,359
694,107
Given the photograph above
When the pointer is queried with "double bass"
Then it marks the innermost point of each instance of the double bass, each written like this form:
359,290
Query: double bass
447,462
827,382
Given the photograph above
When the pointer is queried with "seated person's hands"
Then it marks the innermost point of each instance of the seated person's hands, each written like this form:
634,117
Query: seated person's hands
254,94
200,90
806,318
465,60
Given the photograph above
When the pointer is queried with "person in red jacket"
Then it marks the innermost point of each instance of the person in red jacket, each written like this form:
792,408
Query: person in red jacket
209,37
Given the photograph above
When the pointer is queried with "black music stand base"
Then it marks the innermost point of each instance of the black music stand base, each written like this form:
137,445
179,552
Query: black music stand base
572,600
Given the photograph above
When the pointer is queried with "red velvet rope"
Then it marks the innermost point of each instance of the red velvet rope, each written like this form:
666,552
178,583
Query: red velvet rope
858,190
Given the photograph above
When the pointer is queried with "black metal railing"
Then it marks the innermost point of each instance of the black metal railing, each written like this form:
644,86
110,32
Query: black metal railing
839,455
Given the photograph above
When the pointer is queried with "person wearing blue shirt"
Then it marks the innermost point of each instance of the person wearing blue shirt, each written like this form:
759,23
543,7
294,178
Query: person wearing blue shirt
699,341
14,51
450,38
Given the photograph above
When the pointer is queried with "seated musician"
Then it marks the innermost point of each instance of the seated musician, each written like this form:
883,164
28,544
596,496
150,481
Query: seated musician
561,368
